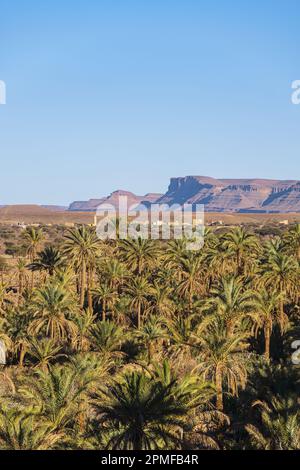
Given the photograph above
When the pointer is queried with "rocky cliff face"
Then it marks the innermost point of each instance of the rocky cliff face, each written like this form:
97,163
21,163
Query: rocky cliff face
236,195
217,195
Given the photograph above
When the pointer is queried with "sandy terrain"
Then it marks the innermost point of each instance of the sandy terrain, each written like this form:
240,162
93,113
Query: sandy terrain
32,214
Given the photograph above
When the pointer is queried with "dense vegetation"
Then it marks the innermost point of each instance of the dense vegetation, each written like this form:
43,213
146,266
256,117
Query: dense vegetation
133,344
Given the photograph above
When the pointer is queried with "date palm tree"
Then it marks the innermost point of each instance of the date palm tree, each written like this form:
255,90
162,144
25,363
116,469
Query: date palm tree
105,296
150,335
241,244
22,430
140,413
190,278
82,246
293,240
265,314
222,359
21,273
113,272
52,307
33,240
216,263
161,303
56,394
107,337
139,255
279,427
231,301
138,290
84,322
49,260
205,429
182,338
44,351
280,273
17,327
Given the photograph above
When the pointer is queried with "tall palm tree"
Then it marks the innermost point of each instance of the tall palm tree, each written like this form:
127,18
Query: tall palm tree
138,290
112,271
174,252
82,245
84,322
139,255
49,260
33,239
293,240
231,301
222,359
139,413
151,334
280,273
190,278
17,327
106,296
182,339
21,272
57,393
241,244
107,337
265,314
51,306
216,262
161,303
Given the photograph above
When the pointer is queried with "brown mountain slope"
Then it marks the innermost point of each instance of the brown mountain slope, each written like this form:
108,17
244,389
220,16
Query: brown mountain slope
235,195
113,199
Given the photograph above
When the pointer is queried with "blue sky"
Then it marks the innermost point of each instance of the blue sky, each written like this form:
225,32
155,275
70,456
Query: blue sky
120,94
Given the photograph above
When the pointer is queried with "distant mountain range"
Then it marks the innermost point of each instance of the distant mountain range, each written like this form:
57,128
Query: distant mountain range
217,195
113,198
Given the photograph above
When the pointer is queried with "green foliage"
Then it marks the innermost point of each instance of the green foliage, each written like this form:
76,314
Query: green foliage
134,344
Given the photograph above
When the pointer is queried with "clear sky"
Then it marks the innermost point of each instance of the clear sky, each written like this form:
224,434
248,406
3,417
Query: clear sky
123,94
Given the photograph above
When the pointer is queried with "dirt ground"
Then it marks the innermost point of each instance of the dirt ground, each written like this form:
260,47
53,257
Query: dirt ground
31,214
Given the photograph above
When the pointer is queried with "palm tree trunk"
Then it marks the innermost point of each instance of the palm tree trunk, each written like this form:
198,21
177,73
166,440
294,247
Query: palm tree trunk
281,309
103,310
150,351
139,317
267,343
82,287
82,417
32,280
22,355
191,297
219,389
20,288
89,294
33,256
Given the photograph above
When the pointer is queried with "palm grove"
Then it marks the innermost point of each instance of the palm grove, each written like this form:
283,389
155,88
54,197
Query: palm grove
140,344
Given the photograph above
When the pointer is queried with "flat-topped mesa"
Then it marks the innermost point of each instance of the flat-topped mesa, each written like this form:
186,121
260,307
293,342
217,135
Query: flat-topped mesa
234,195
217,195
